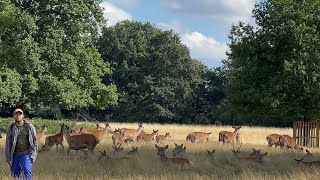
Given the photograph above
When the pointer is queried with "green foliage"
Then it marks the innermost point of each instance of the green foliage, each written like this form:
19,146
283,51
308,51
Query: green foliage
49,47
273,69
152,69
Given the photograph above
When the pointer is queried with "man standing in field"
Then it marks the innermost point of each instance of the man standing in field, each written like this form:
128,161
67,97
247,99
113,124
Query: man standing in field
21,146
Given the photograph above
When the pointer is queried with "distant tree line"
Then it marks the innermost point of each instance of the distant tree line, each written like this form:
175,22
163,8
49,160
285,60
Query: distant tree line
59,59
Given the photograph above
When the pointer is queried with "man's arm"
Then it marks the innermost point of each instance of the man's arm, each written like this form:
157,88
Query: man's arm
8,145
34,141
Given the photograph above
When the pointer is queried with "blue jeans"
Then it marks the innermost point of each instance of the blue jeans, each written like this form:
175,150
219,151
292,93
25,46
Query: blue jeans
21,167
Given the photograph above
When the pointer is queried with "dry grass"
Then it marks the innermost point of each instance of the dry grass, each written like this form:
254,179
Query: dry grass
278,164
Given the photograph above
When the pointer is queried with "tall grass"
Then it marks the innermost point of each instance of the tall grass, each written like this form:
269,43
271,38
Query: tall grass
278,164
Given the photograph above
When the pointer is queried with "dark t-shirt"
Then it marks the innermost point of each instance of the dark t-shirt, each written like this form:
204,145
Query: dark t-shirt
23,144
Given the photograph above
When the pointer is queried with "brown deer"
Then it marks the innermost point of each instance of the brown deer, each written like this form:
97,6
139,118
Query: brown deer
310,164
164,158
211,153
98,133
221,134
117,138
289,142
254,156
161,138
148,137
53,140
105,156
231,137
273,139
198,136
80,142
132,133
41,133
134,151
179,150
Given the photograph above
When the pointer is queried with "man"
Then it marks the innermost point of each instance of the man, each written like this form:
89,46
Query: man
21,146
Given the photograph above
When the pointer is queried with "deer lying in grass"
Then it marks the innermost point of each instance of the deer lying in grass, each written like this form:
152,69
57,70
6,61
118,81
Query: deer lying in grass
117,148
132,133
179,150
311,163
41,133
231,137
289,142
80,142
53,140
161,138
98,133
175,160
273,139
147,137
116,137
211,153
105,156
254,156
134,151
198,137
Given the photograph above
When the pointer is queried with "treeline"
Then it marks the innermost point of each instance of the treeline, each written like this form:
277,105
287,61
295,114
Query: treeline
59,59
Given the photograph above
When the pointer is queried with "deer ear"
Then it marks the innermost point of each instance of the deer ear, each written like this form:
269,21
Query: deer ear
156,146
166,146
208,152
104,151
213,150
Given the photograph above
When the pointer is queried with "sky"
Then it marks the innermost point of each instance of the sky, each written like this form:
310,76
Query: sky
203,25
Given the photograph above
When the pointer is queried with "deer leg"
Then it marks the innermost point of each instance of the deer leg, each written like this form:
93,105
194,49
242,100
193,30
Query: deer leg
62,146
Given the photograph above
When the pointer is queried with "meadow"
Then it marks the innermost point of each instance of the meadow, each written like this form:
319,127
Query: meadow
278,164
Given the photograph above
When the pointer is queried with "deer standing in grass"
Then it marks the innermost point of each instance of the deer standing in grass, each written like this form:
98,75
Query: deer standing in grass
81,142
311,163
289,142
53,140
164,158
231,137
273,139
161,138
41,133
98,133
132,133
198,137
116,137
148,137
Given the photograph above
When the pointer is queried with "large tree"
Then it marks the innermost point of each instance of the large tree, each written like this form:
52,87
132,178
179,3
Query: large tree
274,66
52,48
153,71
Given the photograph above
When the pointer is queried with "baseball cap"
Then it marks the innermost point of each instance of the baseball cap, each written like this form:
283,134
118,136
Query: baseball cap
17,110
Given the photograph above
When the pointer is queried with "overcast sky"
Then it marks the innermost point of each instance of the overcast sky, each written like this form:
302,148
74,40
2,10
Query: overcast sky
203,25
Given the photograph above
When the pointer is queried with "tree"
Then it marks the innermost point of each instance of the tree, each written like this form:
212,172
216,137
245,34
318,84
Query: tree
152,69
54,44
273,68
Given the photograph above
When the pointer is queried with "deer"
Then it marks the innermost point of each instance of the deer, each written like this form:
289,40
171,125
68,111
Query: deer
198,137
76,129
148,137
289,142
41,133
128,140
254,156
175,160
161,138
230,137
105,156
132,133
179,150
54,140
211,153
310,164
98,133
117,148
273,139
134,151
80,142
116,137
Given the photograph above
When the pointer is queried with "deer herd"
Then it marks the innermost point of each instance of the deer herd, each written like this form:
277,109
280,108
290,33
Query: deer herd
86,140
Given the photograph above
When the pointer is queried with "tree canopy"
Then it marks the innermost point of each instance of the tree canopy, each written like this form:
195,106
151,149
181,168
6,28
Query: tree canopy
273,67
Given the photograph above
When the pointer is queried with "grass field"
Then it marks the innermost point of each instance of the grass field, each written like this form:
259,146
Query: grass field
278,164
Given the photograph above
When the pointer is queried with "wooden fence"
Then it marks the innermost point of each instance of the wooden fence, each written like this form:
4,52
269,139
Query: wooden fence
306,133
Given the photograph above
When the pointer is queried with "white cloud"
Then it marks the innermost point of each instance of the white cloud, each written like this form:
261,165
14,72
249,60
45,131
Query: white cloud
126,3
205,48
227,10
174,25
114,14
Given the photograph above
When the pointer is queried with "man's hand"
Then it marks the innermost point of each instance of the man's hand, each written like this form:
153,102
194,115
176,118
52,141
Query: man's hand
9,162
